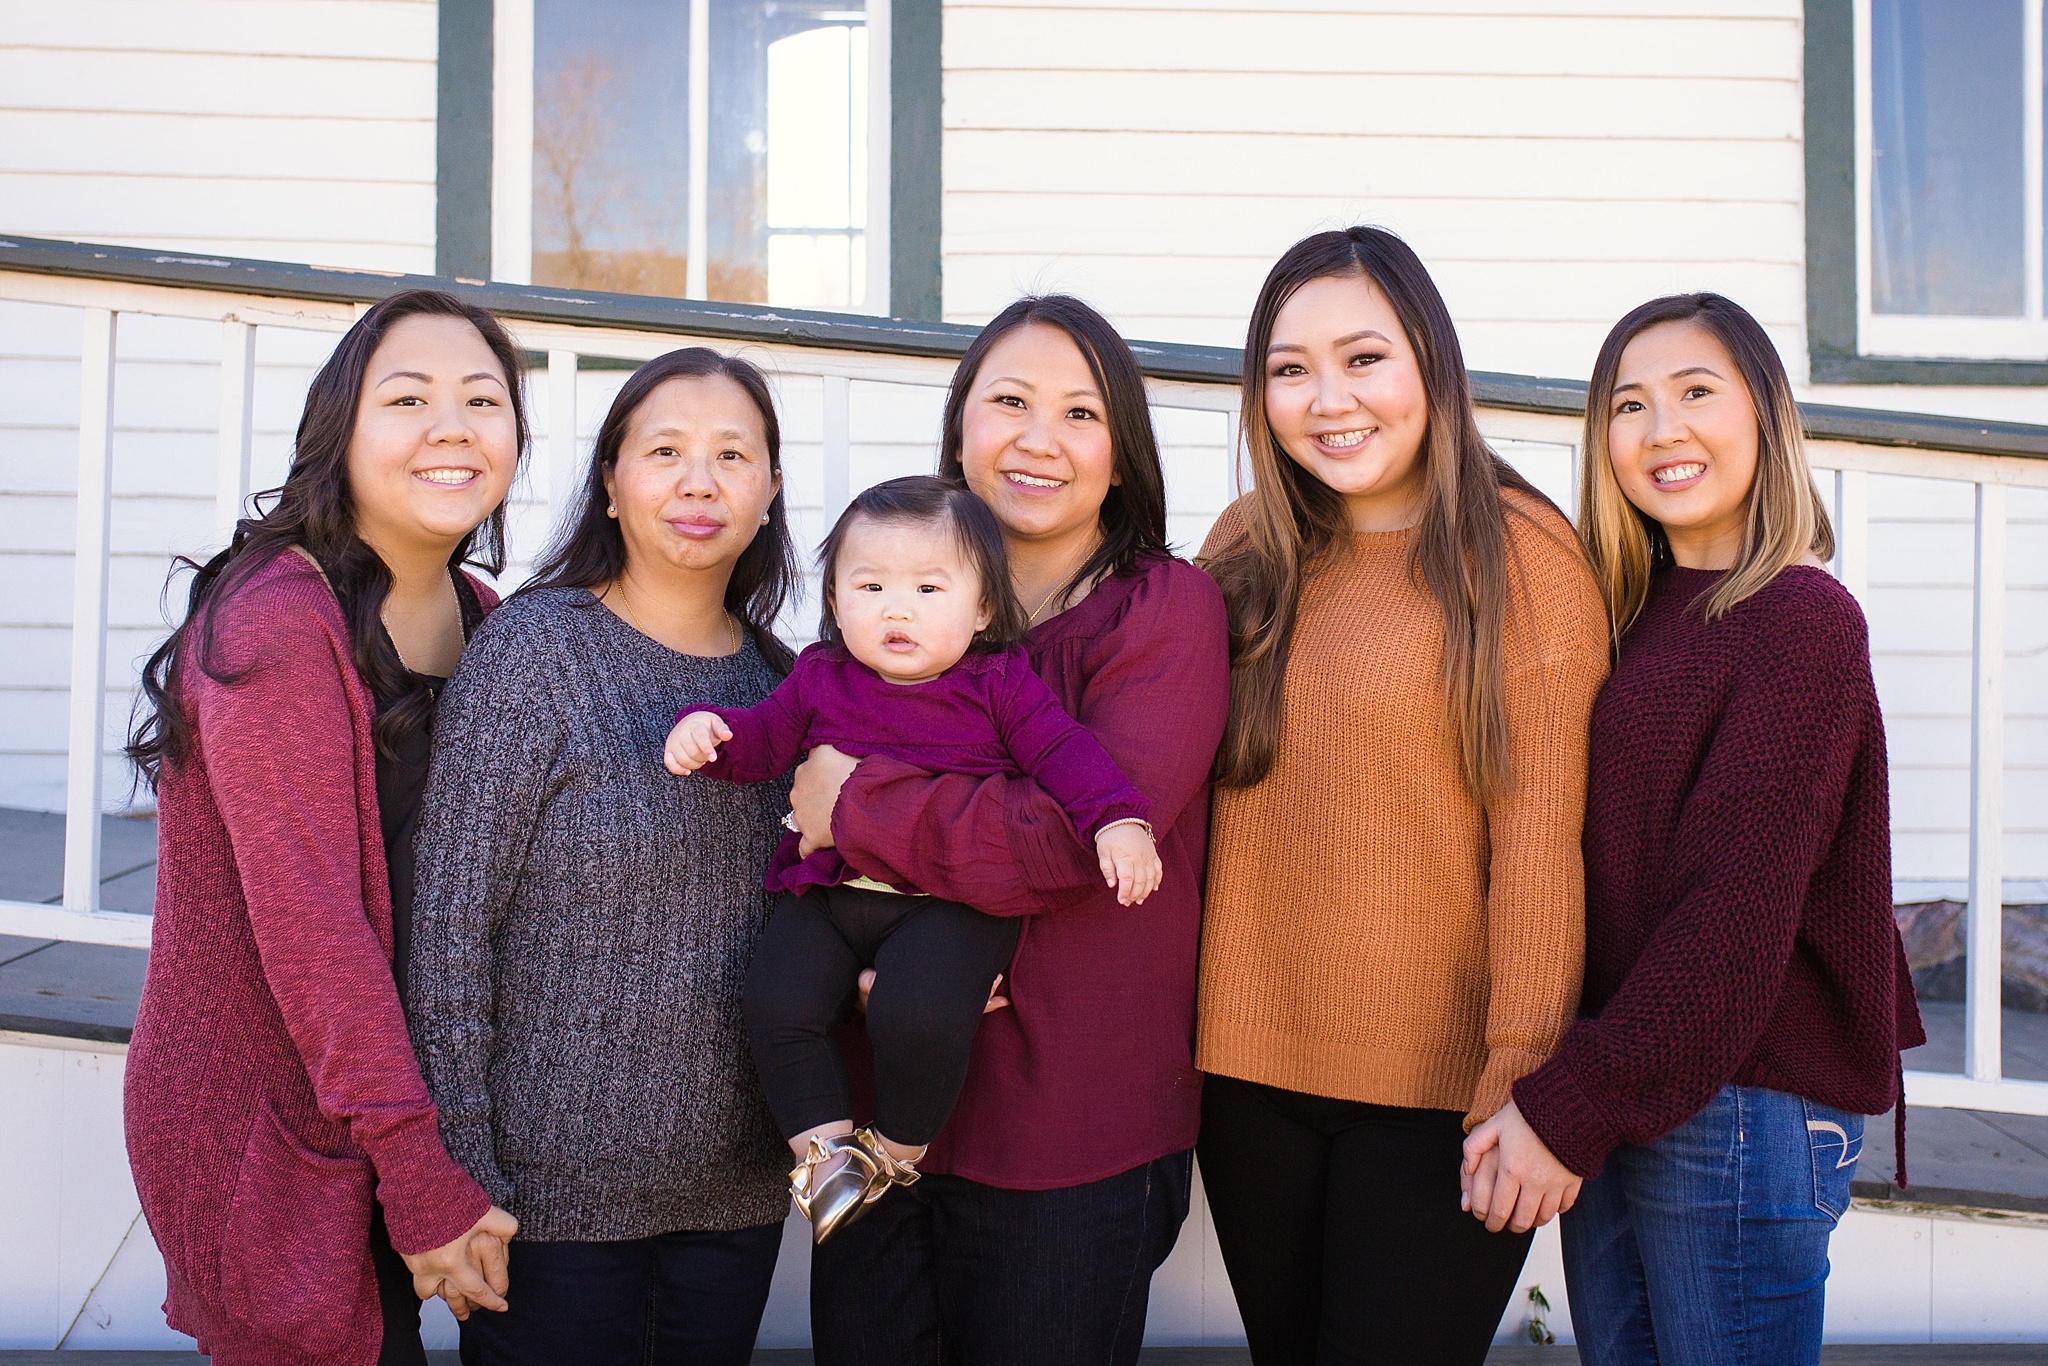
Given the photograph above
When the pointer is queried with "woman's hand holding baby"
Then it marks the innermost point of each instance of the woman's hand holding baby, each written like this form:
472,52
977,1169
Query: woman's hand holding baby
694,742
1130,861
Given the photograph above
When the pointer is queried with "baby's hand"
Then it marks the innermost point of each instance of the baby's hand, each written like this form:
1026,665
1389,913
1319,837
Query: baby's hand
1129,862
694,742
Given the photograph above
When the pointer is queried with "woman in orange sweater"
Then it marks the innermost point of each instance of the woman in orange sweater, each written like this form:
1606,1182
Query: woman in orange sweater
1393,932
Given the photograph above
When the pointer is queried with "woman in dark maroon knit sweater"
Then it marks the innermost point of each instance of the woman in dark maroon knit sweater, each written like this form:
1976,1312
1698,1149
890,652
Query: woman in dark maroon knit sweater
1746,992
284,1147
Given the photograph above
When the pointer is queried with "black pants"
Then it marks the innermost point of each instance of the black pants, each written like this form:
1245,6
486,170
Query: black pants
934,962
950,1272
1340,1228
401,1307
677,1299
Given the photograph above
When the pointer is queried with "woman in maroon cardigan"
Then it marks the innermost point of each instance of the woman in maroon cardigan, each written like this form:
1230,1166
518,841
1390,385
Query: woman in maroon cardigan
1061,1181
286,1153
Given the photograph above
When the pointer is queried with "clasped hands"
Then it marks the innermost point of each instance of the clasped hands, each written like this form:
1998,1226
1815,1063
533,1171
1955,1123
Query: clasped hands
470,1272
1510,1179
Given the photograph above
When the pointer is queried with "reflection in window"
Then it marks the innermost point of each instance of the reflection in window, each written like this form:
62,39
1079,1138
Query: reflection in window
1947,221
785,211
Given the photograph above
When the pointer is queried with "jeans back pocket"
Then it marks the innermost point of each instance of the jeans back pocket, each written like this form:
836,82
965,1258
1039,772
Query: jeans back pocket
1834,1140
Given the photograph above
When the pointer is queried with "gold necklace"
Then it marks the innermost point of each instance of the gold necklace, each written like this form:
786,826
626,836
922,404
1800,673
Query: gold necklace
1066,583
731,623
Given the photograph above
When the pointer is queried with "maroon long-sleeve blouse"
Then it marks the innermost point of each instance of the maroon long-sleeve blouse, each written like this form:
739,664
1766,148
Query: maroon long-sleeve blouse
271,1091
1091,1070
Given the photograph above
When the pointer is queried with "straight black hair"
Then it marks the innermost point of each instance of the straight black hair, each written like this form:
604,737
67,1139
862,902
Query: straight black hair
1133,513
926,499
314,510
589,551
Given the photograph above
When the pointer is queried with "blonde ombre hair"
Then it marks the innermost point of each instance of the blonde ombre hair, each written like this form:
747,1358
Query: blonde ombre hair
1787,519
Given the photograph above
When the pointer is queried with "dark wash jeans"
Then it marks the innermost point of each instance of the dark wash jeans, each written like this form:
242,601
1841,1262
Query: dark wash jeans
950,1272
1709,1247
686,1299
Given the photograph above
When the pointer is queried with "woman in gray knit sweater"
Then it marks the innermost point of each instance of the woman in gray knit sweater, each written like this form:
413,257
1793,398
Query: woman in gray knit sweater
585,920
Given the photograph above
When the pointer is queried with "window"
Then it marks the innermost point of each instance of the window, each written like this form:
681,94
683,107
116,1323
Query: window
734,150
1949,177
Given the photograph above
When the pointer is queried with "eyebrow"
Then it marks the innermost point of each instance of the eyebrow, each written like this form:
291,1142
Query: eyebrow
1345,340
722,433
1675,374
1022,383
429,379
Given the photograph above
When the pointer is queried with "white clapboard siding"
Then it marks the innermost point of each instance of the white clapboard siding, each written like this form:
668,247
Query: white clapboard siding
1554,163
299,130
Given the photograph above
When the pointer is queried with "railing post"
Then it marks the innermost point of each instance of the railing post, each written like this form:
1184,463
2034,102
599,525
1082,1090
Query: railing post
1233,450
1982,1047
838,447
237,418
561,463
697,212
89,613
1852,531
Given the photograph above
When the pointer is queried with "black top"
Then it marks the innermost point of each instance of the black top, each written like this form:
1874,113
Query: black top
401,779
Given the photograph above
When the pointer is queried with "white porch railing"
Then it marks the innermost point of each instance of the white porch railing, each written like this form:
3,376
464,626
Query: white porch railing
1535,418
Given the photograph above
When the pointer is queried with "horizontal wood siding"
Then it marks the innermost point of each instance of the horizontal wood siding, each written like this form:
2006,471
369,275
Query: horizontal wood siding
299,130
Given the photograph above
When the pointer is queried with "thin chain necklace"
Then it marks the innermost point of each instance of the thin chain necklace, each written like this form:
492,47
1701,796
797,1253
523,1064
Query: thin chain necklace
1066,583
730,623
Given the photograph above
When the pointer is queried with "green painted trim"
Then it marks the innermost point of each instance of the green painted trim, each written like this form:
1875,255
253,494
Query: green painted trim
880,336
916,89
462,141
1831,177
1831,283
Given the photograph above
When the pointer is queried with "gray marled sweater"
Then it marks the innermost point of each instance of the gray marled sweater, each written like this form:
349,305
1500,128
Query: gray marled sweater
583,924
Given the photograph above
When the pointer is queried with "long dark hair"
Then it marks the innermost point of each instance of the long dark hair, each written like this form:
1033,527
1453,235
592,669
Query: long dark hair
589,551
1787,519
1133,514
925,498
1459,550
314,510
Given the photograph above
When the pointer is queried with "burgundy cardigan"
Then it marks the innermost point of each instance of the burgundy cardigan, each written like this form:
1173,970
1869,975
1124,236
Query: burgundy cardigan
1091,1070
1739,920
271,1091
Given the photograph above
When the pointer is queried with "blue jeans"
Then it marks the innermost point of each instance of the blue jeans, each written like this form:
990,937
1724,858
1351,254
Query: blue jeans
675,1297
951,1271
1709,1247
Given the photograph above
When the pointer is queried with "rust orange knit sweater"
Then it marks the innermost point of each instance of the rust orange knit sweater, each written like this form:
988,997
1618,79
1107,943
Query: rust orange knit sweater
1370,932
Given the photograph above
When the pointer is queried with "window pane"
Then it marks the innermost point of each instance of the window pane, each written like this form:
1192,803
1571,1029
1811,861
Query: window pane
611,145
1946,108
787,204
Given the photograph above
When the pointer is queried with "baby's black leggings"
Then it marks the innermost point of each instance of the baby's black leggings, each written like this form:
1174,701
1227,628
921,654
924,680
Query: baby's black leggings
934,962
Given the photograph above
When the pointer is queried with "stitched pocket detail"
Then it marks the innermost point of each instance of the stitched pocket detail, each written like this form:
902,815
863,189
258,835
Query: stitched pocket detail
1834,1140
295,1258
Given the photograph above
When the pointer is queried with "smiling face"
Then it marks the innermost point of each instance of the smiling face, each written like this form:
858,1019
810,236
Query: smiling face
1345,398
435,444
1682,438
906,598
693,480
1035,441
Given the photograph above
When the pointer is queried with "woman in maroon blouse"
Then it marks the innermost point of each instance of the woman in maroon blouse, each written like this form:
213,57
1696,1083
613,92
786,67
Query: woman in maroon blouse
1061,1181
284,1147
1746,993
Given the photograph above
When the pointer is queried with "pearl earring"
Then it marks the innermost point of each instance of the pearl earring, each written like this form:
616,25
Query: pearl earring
764,519
611,510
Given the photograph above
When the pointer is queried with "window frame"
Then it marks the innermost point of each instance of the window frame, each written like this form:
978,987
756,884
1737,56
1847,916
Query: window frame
484,144
1840,349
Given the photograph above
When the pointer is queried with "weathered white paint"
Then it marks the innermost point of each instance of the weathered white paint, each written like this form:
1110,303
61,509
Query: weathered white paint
78,1267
